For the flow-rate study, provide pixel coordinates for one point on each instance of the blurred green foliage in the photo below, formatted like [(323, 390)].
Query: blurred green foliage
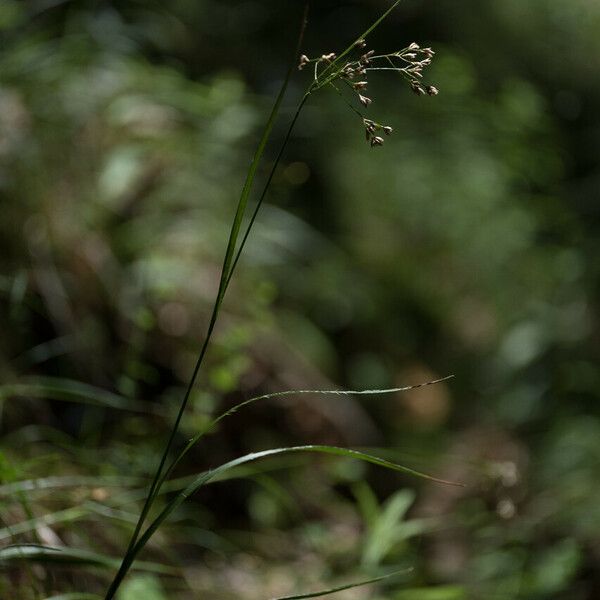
[(467, 245)]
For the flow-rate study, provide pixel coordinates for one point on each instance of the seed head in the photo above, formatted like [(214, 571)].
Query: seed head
[(353, 72), (369, 128), (417, 88), (364, 59), (304, 60)]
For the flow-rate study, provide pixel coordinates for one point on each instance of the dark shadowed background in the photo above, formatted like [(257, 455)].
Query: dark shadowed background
[(467, 245)]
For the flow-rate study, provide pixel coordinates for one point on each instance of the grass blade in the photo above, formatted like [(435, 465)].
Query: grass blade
[(229, 264), (69, 390), (66, 481), (206, 476), (192, 442), (341, 588), (70, 556), (63, 516), (74, 596)]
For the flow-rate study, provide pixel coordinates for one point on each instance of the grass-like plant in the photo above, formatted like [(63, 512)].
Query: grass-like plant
[(347, 75)]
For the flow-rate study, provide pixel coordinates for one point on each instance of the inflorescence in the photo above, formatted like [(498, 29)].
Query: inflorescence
[(330, 70)]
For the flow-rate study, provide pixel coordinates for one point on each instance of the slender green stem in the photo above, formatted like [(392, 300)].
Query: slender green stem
[(174, 463), (231, 259), (268, 184), (335, 64), (352, 108), (227, 270)]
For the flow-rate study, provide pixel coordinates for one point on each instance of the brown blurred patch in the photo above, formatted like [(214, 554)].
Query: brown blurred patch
[(491, 464), (426, 406), (474, 322)]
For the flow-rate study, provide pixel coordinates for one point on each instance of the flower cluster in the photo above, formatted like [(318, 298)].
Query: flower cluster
[(371, 130), (329, 70)]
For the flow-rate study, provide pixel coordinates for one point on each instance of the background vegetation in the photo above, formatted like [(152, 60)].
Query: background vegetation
[(465, 246)]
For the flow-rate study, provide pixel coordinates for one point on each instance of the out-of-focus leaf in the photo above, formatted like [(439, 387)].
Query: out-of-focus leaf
[(74, 596), (70, 556), (444, 592), (142, 586), (389, 528), (340, 588), (69, 390)]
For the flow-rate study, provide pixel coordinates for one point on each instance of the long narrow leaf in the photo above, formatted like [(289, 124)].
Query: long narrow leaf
[(62, 516), (229, 263), (74, 596), (193, 441), (70, 556), (341, 588), (68, 390), (67, 481), (206, 476)]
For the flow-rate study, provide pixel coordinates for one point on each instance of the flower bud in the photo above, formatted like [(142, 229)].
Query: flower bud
[(304, 60)]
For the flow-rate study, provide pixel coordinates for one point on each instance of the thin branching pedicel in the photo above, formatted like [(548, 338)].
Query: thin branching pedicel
[(353, 75)]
